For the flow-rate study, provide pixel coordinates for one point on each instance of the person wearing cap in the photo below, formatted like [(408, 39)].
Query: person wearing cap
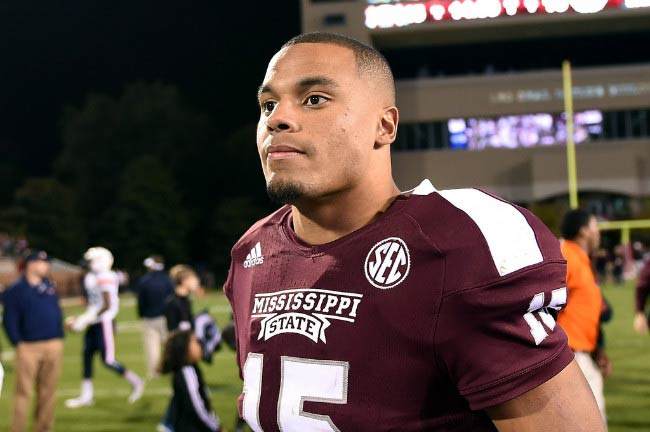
[(153, 289), (34, 324)]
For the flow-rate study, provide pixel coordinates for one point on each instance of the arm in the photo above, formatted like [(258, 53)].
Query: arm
[(563, 403), (11, 318), (171, 316), (191, 397), (83, 320)]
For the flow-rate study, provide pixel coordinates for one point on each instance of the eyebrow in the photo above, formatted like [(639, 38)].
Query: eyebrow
[(303, 84)]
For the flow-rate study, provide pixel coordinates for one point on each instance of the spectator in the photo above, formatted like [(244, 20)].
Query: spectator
[(153, 289), (192, 411), (641, 320), (580, 319), (619, 263), (179, 316), (178, 307), (33, 322)]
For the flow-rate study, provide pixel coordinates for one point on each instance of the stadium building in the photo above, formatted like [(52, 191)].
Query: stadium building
[(480, 91)]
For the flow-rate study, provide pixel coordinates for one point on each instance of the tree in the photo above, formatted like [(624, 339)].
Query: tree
[(45, 212), (103, 136), (232, 217), (147, 216)]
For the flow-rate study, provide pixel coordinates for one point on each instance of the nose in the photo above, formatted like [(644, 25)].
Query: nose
[(282, 119)]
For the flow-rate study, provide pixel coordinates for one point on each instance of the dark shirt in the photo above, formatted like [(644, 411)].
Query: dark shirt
[(178, 310), (192, 411), (643, 287), (32, 313), (153, 289)]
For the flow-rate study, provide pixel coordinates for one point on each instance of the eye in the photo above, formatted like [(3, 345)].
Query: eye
[(314, 100), (268, 106)]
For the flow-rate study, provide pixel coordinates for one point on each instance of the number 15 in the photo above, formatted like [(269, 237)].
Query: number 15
[(301, 380)]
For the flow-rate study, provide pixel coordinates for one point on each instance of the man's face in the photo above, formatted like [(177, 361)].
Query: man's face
[(318, 122), (592, 233), (38, 268)]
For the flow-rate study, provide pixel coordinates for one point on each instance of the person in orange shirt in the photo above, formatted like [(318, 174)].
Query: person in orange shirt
[(580, 318)]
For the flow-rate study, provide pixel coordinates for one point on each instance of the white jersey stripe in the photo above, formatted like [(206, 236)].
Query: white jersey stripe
[(192, 382), (510, 238)]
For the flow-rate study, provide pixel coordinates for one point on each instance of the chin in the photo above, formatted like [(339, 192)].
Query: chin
[(285, 192)]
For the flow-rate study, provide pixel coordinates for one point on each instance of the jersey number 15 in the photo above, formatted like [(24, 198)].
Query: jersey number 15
[(301, 380)]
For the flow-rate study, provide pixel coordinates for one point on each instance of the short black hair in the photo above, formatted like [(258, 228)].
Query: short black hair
[(573, 221), (175, 354), (368, 59)]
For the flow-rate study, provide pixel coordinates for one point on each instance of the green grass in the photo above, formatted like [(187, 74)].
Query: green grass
[(111, 411), (627, 390)]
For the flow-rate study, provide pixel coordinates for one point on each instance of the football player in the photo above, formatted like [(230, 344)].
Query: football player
[(362, 308), (98, 321)]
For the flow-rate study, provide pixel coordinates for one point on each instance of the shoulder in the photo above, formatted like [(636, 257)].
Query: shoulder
[(145, 278), (190, 375), (13, 290), (107, 277), (480, 232), (269, 222)]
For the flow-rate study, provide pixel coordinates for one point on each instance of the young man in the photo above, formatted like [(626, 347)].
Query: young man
[(34, 324), (152, 290), (581, 317), (358, 307), (98, 320)]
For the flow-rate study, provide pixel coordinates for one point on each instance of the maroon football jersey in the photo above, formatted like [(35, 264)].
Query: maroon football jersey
[(443, 306)]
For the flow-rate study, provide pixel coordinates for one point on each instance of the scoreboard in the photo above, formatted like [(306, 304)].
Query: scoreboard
[(387, 14)]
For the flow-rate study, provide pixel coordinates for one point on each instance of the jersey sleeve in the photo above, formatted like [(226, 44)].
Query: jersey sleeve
[(499, 339), (107, 282), (188, 392)]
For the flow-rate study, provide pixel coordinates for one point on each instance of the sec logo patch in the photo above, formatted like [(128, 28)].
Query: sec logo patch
[(388, 263)]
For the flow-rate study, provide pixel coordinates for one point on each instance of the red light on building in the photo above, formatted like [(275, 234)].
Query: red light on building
[(399, 14)]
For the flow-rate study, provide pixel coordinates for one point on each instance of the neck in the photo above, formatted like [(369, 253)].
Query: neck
[(332, 218), (583, 243), (33, 279)]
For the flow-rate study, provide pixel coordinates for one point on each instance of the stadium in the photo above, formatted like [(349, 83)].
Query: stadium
[(143, 163)]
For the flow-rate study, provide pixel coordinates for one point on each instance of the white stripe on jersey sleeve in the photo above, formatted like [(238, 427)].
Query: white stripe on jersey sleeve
[(192, 382), (510, 238)]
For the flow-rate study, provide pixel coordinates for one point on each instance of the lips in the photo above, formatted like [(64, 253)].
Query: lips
[(275, 152)]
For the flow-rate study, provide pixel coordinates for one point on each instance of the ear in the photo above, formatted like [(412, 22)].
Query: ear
[(387, 127)]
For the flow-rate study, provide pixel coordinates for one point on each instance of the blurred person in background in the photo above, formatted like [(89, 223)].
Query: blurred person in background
[(178, 306), (152, 290), (641, 316), (98, 321), (618, 264), (33, 322), (581, 316), (192, 410), (179, 317)]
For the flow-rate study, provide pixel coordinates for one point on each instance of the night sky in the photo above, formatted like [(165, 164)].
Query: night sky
[(55, 53)]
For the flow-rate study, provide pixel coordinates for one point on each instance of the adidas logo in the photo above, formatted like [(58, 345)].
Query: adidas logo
[(255, 257)]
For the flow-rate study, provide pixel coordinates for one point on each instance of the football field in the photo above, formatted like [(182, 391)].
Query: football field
[(627, 390)]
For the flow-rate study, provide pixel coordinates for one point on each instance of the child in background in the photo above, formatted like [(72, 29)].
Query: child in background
[(191, 411), (179, 316), (178, 306)]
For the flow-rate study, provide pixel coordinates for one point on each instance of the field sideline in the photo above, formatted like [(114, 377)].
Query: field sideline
[(627, 391)]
